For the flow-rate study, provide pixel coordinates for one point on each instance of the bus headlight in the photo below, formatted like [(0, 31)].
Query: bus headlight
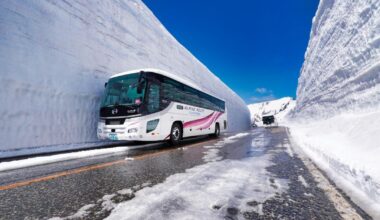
[(151, 125), (132, 130)]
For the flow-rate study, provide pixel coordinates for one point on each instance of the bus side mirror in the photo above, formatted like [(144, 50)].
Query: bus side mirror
[(105, 85), (140, 85), (140, 88)]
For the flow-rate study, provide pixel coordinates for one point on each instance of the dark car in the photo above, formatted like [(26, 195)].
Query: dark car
[(267, 120)]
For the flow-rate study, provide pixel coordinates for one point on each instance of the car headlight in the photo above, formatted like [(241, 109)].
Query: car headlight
[(151, 125), (132, 130)]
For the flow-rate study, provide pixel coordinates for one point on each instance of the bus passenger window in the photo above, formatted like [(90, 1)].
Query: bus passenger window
[(153, 98)]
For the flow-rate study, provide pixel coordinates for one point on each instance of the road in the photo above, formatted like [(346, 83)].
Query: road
[(91, 188)]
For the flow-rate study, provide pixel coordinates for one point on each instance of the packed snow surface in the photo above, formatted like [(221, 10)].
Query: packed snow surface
[(337, 116), (279, 108), (206, 191), (55, 57)]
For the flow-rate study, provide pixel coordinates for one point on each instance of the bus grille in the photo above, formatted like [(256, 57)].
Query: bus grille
[(119, 121)]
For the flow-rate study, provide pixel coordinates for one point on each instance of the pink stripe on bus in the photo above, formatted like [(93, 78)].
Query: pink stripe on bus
[(197, 121), (216, 116)]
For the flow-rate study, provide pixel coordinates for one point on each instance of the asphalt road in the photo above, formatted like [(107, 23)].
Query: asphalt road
[(63, 189)]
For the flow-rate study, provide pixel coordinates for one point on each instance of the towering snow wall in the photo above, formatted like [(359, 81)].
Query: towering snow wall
[(55, 57), (341, 72), (337, 116)]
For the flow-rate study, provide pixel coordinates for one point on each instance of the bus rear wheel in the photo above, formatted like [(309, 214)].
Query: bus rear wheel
[(175, 134), (217, 131)]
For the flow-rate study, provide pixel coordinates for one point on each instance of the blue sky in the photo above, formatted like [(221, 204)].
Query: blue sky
[(256, 47)]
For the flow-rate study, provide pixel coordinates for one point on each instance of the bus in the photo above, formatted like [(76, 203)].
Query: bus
[(154, 105)]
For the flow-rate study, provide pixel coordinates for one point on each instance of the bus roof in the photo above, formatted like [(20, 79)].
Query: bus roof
[(164, 73)]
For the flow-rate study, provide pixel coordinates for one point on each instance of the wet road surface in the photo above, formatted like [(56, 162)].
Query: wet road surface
[(96, 185)]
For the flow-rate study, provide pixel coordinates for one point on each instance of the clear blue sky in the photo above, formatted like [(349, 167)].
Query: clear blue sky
[(256, 47)]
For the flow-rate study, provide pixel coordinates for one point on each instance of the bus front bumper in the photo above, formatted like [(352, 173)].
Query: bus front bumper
[(133, 132), (115, 134)]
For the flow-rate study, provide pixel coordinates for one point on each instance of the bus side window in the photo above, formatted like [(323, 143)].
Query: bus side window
[(153, 98), (172, 90)]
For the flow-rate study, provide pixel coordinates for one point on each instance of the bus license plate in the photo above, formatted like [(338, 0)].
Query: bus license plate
[(113, 137)]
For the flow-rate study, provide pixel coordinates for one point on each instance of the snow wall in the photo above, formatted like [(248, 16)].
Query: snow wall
[(55, 57), (337, 116)]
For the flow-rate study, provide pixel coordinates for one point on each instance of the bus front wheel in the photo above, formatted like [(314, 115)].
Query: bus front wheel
[(175, 134)]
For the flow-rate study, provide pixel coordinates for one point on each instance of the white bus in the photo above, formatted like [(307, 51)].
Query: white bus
[(154, 105)]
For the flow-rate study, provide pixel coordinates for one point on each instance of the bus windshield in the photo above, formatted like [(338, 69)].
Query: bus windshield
[(125, 90)]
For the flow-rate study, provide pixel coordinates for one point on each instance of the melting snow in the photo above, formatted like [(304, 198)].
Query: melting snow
[(212, 154), (195, 193), (106, 203), (303, 181)]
